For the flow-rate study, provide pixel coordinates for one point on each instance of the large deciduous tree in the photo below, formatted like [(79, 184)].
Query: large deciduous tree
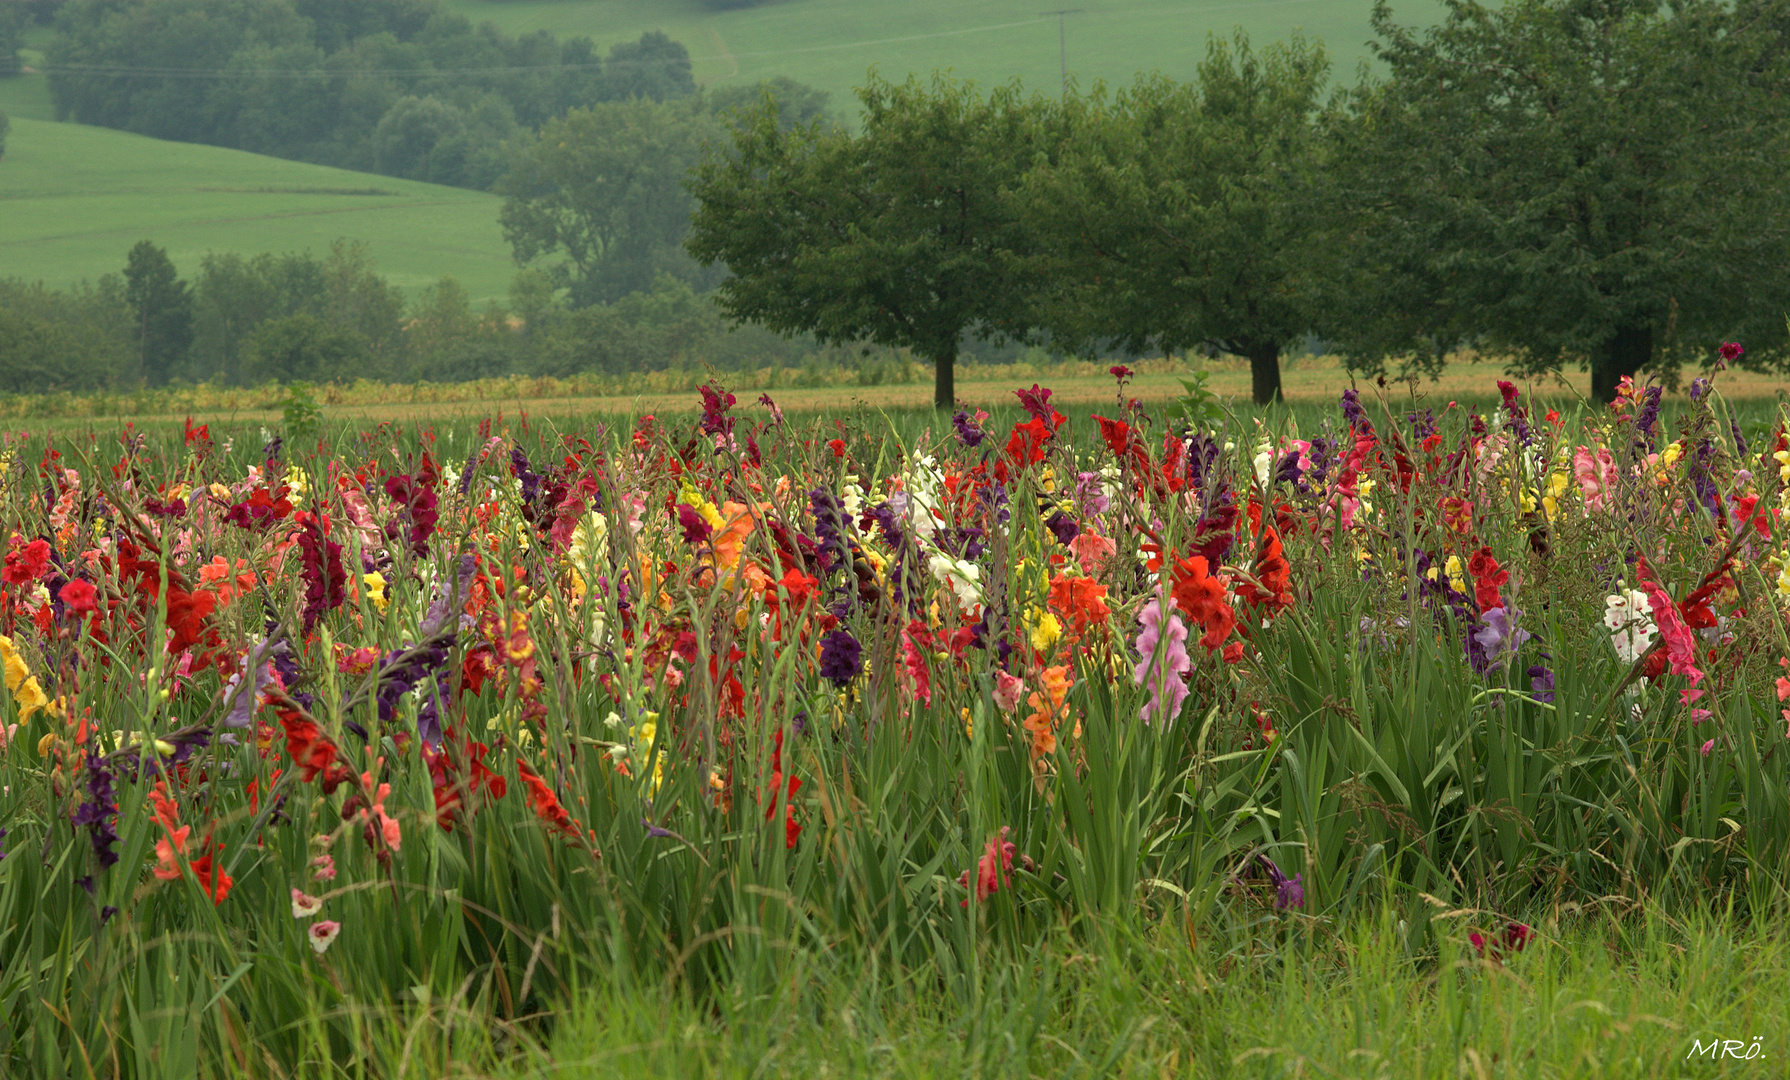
[(1183, 214), (604, 188), (899, 234), (1594, 181)]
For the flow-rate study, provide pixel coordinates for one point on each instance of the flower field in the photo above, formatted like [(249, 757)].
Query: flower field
[(382, 753)]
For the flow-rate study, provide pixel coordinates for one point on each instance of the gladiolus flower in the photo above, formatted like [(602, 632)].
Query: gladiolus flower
[(304, 905), (1007, 689), (1514, 937), (840, 657), (1162, 663), (78, 596), (324, 868), (322, 933), (1201, 598), (1046, 715), (994, 869)]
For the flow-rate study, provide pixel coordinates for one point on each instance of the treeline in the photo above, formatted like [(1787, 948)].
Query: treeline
[(280, 318), (1561, 182), (398, 87)]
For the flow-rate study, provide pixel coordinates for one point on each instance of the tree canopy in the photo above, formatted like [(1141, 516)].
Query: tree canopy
[(604, 188), (162, 307), (1182, 214), (898, 234), (1563, 180)]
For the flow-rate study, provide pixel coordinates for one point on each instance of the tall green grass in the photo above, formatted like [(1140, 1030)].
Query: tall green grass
[(1418, 801)]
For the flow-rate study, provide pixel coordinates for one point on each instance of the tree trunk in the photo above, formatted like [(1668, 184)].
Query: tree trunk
[(1264, 370), (944, 385), (1623, 353)]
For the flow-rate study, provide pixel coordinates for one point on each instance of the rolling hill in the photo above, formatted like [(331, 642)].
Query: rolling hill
[(832, 43), (73, 199)]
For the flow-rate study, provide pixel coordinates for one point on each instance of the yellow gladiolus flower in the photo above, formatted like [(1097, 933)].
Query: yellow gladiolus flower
[(375, 583)]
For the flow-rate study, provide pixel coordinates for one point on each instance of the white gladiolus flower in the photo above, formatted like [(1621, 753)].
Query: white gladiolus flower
[(1630, 622)]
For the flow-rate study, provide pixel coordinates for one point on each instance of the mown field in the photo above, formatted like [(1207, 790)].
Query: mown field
[(832, 43), (75, 198)]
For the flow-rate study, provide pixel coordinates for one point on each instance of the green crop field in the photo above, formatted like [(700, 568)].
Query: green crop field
[(833, 43), (73, 199)]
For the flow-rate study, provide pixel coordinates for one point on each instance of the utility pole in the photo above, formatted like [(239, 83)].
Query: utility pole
[(1062, 15)]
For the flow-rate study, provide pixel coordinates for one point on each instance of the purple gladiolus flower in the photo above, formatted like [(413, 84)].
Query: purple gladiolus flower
[(1541, 683), (1352, 410), (1036, 402), (96, 812), (841, 657), (248, 683), (1288, 892), (967, 431), (1499, 637), (696, 528), (1062, 526), (1649, 412)]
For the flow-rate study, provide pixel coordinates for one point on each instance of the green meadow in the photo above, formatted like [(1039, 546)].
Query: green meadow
[(73, 199), (833, 43)]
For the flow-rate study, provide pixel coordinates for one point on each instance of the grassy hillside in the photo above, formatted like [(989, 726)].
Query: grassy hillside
[(831, 43), (74, 199)]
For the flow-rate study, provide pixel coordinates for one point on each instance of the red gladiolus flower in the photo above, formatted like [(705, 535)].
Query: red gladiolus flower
[(1488, 578), (792, 829), (544, 802), (212, 878), (994, 869), (27, 563), (837, 446), (1512, 939), (78, 597), (313, 752), (1273, 572)]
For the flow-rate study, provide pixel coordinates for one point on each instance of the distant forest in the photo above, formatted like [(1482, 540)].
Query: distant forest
[(398, 87)]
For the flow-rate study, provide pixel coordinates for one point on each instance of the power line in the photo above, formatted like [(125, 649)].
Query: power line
[(1062, 15), (423, 73)]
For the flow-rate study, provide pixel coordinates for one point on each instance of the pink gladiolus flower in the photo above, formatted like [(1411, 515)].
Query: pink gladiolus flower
[(1007, 690), (1708, 746), (1091, 551), (322, 933), (325, 868), (1596, 477), (304, 905), (1681, 647), (1162, 663)]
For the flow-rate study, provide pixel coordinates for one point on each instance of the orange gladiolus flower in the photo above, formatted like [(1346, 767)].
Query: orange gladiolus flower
[(1045, 718), (1200, 596), (1081, 602)]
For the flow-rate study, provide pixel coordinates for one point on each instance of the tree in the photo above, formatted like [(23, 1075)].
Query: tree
[(654, 67), (13, 20), (301, 348), (162, 310), (898, 234), (604, 187), (1183, 214), (798, 104), (1594, 181)]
